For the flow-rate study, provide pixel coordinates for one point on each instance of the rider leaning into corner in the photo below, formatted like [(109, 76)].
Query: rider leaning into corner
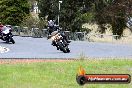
[(5, 30), (51, 25), (52, 28)]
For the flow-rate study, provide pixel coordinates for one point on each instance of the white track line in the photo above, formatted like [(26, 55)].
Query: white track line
[(4, 49)]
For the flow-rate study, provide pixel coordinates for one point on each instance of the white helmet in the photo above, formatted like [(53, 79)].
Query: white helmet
[(50, 21)]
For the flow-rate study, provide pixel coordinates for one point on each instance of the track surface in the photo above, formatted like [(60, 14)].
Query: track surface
[(27, 47)]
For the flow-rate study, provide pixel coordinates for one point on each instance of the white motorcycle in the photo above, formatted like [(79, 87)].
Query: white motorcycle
[(6, 35)]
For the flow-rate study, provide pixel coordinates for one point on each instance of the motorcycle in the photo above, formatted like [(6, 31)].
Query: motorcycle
[(52, 29), (60, 43), (7, 36)]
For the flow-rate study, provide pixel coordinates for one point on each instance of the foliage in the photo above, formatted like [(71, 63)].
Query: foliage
[(31, 21), (60, 74), (74, 13), (70, 13), (13, 11), (114, 12)]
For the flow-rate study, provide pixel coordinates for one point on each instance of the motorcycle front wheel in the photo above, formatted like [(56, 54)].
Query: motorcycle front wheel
[(12, 40), (65, 49)]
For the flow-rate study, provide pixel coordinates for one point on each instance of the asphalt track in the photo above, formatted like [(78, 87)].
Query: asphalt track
[(28, 47)]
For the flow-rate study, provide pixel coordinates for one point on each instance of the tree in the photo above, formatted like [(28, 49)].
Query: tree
[(76, 12), (114, 12), (13, 11), (46, 9), (71, 13)]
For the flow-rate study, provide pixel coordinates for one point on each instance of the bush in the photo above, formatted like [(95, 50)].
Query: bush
[(30, 22)]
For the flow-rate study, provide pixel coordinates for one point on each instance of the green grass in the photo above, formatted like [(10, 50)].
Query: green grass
[(61, 74)]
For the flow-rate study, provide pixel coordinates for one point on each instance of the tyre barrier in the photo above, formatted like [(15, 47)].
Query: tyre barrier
[(39, 33), (25, 32), (36, 33), (16, 30), (44, 32)]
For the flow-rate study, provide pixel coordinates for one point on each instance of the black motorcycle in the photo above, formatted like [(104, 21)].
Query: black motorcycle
[(59, 42), (7, 37)]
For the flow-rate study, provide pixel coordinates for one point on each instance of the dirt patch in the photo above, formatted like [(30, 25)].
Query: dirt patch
[(17, 61)]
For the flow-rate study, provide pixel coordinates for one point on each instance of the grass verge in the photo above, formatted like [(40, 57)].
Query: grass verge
[(61, 74)]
